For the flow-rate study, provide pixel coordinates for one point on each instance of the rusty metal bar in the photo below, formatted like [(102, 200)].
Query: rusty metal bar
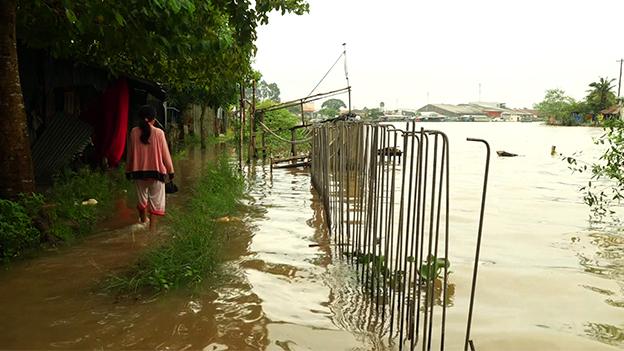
[(394, 231), (478, 248)]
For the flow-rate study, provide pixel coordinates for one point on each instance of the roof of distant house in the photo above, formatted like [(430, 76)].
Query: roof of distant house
[(456, 109), (613, 110)]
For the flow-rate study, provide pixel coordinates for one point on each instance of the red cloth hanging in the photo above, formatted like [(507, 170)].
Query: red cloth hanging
[(109, 117)]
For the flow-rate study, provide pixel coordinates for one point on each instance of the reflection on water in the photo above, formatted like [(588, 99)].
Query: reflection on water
[(304, 292), (605, 256), (606, 333)]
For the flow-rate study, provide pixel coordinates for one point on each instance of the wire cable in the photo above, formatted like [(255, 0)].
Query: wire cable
[(284, 139), (325, 76)]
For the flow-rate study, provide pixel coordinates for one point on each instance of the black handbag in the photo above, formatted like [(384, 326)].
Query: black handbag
[(170, 187)]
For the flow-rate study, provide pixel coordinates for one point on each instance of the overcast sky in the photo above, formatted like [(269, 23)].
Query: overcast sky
[(408, 53)]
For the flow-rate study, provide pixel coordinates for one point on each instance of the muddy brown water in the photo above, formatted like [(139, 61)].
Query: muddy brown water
[(549, 279)]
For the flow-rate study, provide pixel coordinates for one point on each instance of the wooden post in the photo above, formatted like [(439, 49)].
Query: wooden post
[(302, 115), (264, 153), (253, 121), (242, 125), (250, 141), (293, 135)]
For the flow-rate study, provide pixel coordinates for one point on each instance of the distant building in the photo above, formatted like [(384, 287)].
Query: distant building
[(519, 115), (480, 112), (490, 109), (450, 110), (613, 112), (308, 107)]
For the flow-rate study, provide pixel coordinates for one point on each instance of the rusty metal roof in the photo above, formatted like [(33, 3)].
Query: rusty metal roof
[(63, 138), (613, 110)]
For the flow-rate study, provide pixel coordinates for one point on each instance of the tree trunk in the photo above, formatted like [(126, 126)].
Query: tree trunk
[(16, 169), (202, 128), (215, 121)]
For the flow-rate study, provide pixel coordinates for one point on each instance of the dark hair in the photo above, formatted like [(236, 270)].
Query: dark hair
[(146, 113)]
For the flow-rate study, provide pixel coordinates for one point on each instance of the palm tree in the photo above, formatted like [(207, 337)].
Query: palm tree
[(600, 95), (15, 160)]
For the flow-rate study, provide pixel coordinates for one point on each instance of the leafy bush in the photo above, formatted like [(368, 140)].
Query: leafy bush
[(69, 216), (279, 121), (22, 221), (17, 233)]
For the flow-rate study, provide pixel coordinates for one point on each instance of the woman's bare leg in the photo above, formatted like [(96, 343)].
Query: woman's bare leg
[(153, 220), (142, 215)]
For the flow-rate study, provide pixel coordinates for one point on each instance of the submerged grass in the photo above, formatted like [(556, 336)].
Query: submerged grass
[(192, 253)]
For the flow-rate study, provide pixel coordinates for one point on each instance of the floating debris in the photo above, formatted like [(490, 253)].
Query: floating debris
[(90, 202)]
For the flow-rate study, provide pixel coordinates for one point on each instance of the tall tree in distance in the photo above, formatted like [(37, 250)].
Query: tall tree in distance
[(557, 105), (331, 107), (335, 104), (16, 173), (601, 96), (267, 91)]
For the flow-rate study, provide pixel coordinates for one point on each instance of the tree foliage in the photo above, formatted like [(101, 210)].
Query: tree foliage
[(185, 44), (279, 122), (568, 111), (555, 103), (335, 104), (267, 91), (562, 108), (600, 95), (606, 185), (329, 112), (374, 113), (201, 49)]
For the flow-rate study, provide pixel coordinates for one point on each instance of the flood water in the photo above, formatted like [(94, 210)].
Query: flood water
[(548, 280)]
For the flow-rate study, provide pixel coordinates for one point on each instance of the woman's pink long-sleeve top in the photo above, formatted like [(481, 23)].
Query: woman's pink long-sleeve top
[(148, 161)]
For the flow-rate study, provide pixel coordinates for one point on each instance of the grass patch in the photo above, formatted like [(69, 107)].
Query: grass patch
[(18, 233), (69, 217), (192, 253), (57, 216)]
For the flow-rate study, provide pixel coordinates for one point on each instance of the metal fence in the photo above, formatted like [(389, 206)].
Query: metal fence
[(386, 198)]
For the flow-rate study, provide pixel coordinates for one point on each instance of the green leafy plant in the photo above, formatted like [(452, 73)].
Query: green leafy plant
[(432, 268), (605, 188), (17, 233)]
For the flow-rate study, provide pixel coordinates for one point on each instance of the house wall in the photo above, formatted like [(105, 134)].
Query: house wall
[(492, 114), (191, 118)]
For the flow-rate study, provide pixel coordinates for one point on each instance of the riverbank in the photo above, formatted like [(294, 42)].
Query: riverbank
[(71, 207)]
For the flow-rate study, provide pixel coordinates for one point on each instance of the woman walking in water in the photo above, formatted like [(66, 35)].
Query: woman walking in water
[(148, 164)]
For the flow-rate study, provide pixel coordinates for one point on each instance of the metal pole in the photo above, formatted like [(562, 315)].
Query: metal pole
[(349, 99), (620, 80), (476, 263)]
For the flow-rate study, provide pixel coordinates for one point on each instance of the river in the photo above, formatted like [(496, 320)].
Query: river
[(549, 279)]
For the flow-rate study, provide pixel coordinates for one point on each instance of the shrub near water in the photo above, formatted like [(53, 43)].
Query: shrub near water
[(192, 253), (25, 224), (17, 232), (69, 216)]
